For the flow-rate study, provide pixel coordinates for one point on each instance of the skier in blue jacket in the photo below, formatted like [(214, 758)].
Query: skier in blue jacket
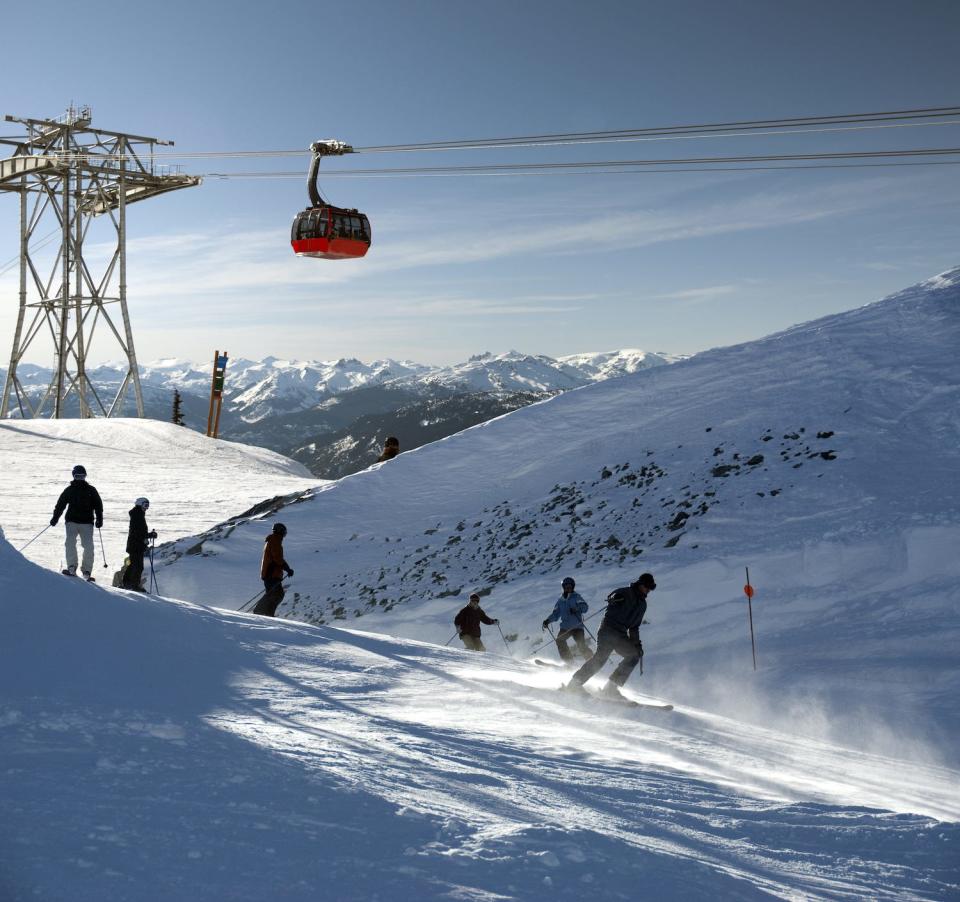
[(569, 610)]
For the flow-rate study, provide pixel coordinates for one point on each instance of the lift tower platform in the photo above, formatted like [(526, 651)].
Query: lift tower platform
[(68, 174)]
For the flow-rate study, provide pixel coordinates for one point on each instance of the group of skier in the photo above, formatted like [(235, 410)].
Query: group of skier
[(82, 510), (619, 630)]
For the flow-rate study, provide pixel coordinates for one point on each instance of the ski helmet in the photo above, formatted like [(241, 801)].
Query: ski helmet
[(647, 581), (568, 581), (279, 529), (142, 502), (79, 472)]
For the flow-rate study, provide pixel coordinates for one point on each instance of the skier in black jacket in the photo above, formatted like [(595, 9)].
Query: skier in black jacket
[(619, 632), (84, 511), (137, 544)]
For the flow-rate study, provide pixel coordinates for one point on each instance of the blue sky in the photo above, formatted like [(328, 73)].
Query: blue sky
[(550, 264)]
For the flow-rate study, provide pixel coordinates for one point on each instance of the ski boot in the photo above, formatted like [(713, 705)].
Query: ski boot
[(612, 691)]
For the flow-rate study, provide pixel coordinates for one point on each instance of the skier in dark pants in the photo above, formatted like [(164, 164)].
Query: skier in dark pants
[(84, 511), (569, 610), (619, 632), (272, 569), (468, 623), (137, 544)]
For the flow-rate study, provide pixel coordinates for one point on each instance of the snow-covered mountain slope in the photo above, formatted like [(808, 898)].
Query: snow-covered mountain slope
[(155, 749), (825, 458), (193, 482)]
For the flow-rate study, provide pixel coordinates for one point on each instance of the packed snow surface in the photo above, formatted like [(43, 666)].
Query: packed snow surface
[(152, 748), (155, 749)]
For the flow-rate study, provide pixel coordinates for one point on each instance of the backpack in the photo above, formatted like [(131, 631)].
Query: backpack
[(120, 576)]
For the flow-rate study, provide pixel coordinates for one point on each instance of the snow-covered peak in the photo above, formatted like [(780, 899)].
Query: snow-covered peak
[(610, 364), (511, 371)]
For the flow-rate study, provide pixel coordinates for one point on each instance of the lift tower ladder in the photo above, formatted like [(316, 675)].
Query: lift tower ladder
[(68, 174)]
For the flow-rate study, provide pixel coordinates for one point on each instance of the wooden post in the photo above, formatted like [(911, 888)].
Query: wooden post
[(213, 382), (216, 393)]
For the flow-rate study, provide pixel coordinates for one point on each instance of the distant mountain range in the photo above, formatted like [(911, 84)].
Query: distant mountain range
[(334, 415)]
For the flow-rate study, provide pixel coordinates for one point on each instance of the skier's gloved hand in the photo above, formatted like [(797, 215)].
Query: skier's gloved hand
[(496, 621), (639, 647), (152, 534), (546, 623), (99, 522), (53, 521), (289, 571)]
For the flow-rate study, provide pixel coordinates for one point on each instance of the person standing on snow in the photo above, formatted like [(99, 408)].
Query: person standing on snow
[(569, 610), (137, 544), (468, 623), (84, 511), (272, 568), (619, 632)]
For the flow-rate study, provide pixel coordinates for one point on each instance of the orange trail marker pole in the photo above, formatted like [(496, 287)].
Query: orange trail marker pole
[(748, 591)]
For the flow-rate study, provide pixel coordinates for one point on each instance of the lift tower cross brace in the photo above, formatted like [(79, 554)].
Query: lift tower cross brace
[(66, 174)]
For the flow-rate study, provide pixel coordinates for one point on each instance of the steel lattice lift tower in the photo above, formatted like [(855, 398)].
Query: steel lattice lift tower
[(67, 174)]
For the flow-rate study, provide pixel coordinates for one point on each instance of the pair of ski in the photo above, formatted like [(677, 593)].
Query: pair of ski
[(599, 696)]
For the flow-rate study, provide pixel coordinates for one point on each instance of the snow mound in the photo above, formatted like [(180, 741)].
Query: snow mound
[(193, 482)]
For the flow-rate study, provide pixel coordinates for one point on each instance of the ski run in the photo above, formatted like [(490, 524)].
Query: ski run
[(169, 746)]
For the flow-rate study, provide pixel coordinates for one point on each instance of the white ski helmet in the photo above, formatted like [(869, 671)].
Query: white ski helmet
[(142, 502)]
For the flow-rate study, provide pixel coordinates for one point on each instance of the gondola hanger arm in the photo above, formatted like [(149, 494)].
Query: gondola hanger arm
[(330, 147)]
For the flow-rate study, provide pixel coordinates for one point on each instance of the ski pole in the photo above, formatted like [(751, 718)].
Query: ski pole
[(34, 539), (153, 576), (252, 602), (555, 638), (583, 623), (454, 636), (537, 648), (249, 602), (505, 645), (102, 550)]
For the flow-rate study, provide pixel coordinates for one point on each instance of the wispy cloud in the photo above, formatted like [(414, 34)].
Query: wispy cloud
[(698, 294), (469, 306)]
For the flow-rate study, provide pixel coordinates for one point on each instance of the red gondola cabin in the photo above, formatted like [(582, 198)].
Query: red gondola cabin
[(330, 233)]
